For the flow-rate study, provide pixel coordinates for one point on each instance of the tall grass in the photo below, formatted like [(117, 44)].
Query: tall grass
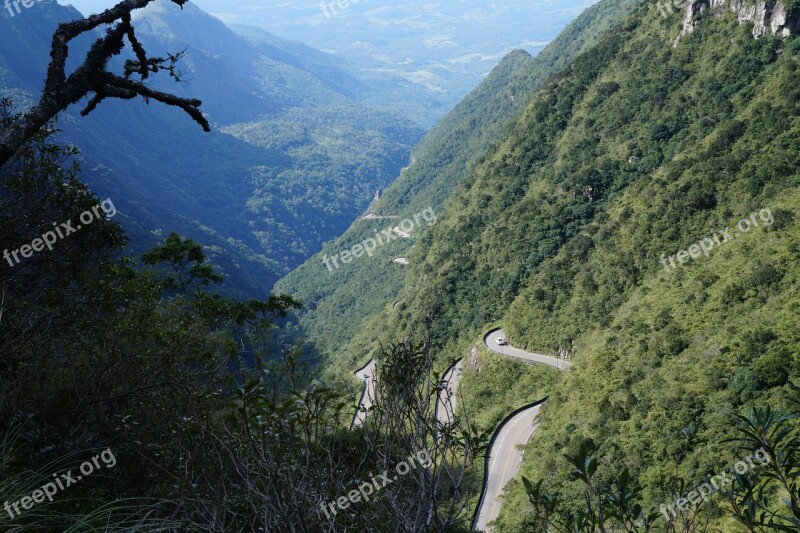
[(100, 511)]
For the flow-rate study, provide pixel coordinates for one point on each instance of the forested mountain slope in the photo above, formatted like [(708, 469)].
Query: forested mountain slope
[(637, 212), (291, 162), (339, 305), (584, 231)]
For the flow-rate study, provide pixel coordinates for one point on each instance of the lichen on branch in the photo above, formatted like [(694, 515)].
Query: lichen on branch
[(93, 78)]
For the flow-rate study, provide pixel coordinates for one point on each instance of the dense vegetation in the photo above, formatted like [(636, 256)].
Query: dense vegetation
[(742, 496), (345, 311), (558, 219), (209, 429), (290, 163), (635, 150)]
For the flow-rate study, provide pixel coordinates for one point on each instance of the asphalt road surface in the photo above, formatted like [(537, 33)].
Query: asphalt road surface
[(505, 458), (490, 340), (402, 234), (445, 404), (372, 216), (505, 455), (446, 401), (367, 375)]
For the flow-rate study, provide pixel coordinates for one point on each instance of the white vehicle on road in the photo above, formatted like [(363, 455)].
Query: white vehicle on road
[(501, 341)]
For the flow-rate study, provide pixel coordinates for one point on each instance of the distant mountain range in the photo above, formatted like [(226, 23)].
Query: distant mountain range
[(293, 158), (418, 59)]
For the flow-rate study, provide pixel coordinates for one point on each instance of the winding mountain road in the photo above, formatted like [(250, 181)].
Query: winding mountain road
[(445, 404), (504, 455), (402, 234), (446, 400), (367, 375), (490, 340), (504, 458), (373, 216)]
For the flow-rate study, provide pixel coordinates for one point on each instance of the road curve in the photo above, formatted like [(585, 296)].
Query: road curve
[(445, 403), (503, 459), (367, 375), (504, 455), (490, 340), (402, 234), (446, 400)]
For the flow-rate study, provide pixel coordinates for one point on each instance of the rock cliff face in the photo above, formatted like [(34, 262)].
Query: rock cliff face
[(771, 16)]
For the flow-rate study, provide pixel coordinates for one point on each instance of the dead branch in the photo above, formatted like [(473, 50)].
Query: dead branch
[(92, 77)]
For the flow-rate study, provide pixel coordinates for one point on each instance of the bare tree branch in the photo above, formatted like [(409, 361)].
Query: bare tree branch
[(92, 77)]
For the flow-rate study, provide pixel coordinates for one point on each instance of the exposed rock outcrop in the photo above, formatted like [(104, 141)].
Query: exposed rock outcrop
[(767, 17)]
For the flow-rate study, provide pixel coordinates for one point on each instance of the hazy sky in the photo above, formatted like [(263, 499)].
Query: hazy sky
[(90, 6), (226, 6), (243, 11)]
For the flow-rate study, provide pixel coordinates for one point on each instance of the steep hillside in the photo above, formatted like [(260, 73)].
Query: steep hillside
[(291, 162), (635, 211), (450, 151), (585, 232), (336, 302), (352, 301)]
